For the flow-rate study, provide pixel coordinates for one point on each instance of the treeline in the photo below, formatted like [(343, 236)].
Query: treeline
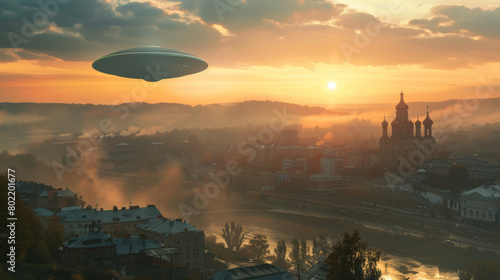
[(348, 258)]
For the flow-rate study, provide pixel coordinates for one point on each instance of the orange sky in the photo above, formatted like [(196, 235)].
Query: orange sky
[(255, 52)]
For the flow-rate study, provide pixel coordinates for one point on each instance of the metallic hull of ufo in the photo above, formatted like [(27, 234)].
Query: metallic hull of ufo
[(150, 63)]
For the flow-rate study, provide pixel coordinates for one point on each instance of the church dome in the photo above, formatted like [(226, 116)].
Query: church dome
[(410, 122), (385, 123), (418, 122), (427, 120), (402, 105), (394, 122)]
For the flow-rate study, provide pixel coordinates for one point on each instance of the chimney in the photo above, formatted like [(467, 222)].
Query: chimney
[(115, 208)]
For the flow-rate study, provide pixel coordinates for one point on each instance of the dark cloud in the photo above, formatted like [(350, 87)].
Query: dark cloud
[(238, 15), (455, 19), (263, 32)]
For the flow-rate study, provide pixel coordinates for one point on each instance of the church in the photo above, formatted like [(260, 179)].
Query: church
[(404, 145)]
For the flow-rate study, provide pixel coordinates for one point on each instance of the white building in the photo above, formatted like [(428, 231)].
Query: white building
[(331, 165), (481, 205)]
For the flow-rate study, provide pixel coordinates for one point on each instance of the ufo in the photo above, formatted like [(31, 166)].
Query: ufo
[(151, 64)]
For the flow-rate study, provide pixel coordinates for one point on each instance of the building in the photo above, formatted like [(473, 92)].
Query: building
[(481, 205), (291, 178), (256, 272), (257, 180), (363, 159), (116, 222), (476, 169), (325, 184), (406, 147), (291, 162), (56, 199), (94, 249), (130, 250), (331, 165), (189, 241), (98, 249), (30, 191)]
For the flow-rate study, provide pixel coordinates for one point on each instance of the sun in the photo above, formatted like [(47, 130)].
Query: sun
[(332, 85)]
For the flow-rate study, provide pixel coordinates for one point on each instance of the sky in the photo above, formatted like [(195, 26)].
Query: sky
[(283, 50)]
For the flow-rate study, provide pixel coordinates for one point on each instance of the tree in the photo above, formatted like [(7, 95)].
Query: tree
[(259, 246), (351, 259), (320, 247), (300, 250), (304, 250), (53, 234), (280, 252), (233, 236), (210, 241), (458, 177), (480, 271)]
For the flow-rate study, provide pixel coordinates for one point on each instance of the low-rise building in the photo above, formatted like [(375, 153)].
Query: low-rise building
[(189, 241), (481, 205), (363, 159), (292, 162), (331, 165), (56, 199), (98, 249), (94, 249), (30, 191), (262, 271), (292, 178), (325, 184), (117, 222), (253, 181)]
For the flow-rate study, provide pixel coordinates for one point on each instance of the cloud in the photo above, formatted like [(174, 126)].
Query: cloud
[(275, 33), (457, 19)]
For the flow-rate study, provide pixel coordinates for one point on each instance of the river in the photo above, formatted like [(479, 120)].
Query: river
[(278, 225)]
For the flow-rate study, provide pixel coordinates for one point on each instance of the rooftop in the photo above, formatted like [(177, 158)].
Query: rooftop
[(166, 226), (59, 192), (261, 272), (490, 191), (90, 240), (31, 188), (131, 214), (134, 245)]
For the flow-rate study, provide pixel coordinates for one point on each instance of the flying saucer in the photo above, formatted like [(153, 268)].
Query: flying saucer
[(150, 63)]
